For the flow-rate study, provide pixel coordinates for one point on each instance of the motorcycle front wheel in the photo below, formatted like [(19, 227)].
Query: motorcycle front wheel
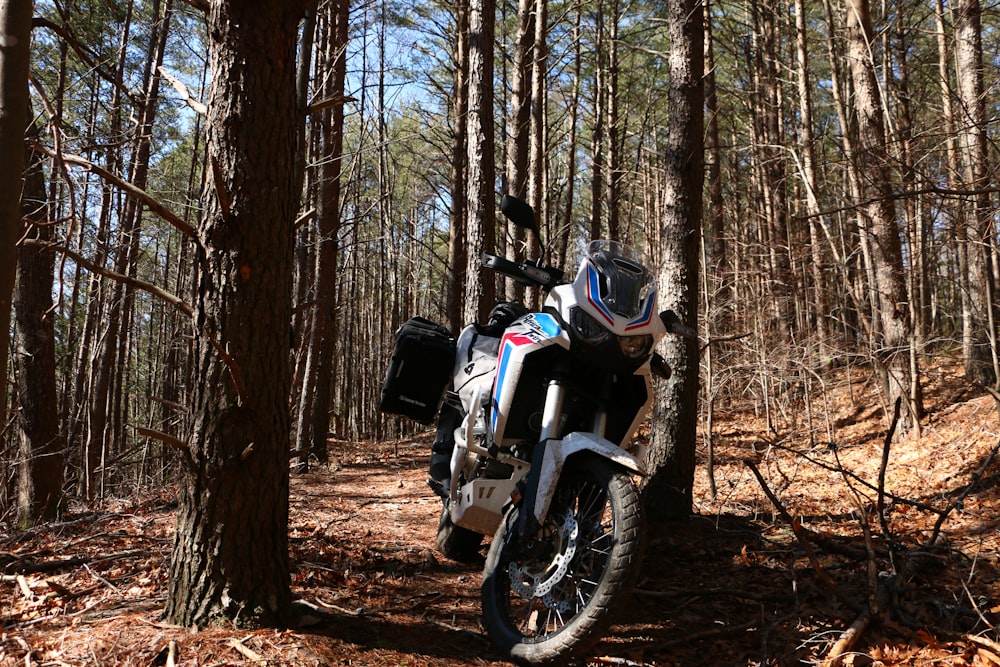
[(551, 604)]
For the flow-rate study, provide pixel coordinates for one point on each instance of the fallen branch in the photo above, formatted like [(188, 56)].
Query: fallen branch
[(720, 592), (848, 639), (802, 538), (690, 637), (247, 653), (22, 583), (28, 567)]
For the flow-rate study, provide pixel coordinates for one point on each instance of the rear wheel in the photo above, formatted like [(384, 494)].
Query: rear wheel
[(556, 603)]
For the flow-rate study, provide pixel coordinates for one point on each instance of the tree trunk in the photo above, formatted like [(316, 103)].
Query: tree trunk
[(15, 25), (811, 184), (979, 316), (774, 188), (519, 129), (457, 256), (667, 493), (230, 555), (42, 447), (480, 291), (597, 128), (537, 185), (615, 129), (574, 116), (314, 421), (893, 349)]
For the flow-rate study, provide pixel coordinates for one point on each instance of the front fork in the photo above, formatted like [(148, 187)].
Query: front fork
[(552, 415)]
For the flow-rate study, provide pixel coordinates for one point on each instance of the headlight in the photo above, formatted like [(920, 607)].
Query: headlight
[(587, 328), (635, 347)]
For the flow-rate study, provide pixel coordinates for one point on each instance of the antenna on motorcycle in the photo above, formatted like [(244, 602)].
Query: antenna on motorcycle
[(521, 214)]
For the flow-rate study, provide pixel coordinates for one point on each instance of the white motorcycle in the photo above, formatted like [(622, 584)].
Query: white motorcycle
[(533, 442)]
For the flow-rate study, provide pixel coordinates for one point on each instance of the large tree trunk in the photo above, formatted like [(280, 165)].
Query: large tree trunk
[(538, 155), (811, 184), (667, 493), (15, 25), (893, 353), (457, 256), (978, 321), (480, 290), (314, 413), (230, 555), (42, 447), (519, 129), (597, 127)]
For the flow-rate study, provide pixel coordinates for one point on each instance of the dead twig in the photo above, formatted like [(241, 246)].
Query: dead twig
[(886, 444), (182, 90), (165, 438), (136, 283)]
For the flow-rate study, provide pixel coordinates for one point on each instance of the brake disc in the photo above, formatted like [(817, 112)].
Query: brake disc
[(541, 582)]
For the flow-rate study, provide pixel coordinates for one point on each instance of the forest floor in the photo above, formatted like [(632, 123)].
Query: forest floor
[(733, 585)]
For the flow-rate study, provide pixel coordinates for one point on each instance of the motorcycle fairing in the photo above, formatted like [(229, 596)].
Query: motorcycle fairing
[(584, 292), (531, 333)]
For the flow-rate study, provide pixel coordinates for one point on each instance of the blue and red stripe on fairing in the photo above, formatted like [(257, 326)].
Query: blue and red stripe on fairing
[(548, 325)]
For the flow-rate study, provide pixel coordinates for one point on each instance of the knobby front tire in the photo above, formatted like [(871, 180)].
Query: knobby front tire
[(552, 607)]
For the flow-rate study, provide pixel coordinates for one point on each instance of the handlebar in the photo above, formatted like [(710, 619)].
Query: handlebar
[(525, 273)]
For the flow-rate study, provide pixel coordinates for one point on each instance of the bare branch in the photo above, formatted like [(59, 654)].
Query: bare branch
[(108, 273), (155, 206), (164, 438)]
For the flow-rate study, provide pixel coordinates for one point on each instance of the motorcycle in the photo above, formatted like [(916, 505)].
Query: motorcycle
[(533, 442)]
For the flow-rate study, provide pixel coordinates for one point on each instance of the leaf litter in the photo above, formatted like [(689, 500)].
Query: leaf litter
[(855, 577)]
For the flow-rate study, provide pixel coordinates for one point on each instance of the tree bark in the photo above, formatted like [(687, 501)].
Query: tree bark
[(893, 349), (15, 25), (42, 447), (667, 493), (457, 255), (979, 316), (230, 555), (480, 291)]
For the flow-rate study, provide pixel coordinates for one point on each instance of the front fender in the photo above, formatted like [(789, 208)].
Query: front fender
[(557, 452)]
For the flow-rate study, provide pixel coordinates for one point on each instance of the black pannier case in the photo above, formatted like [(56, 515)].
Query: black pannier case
[(423, 358)]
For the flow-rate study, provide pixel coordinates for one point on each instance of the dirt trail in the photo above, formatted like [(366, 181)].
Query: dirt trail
[(731, 586)]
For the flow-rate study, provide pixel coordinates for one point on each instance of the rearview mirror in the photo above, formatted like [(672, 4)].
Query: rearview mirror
[(519, 212)]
